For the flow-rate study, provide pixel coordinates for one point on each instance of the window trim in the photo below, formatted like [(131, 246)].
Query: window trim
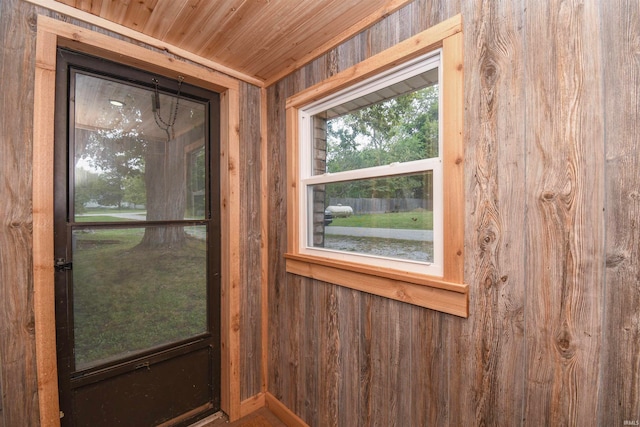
[(402, 72), (447, 293)]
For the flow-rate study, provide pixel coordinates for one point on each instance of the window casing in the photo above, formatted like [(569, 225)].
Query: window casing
[(436, 282)]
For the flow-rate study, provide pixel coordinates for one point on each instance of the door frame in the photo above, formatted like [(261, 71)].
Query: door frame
[(52, 34)]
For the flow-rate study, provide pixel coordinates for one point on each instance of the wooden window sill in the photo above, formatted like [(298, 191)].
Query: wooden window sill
[(424, 291)]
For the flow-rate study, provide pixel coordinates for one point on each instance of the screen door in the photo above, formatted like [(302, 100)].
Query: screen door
[(137, 240)]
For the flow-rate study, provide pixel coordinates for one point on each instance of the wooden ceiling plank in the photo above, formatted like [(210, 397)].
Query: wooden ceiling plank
[(266, 21), (269, 28), (286, 47), (390, 7), (268, 38), (193, 25), (244, 16), (114, 10), (90, 6), (163, 17), (138, 13), (143, 38)]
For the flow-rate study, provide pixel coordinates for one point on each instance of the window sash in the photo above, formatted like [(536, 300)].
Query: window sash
[(422, 64), (434, 268)]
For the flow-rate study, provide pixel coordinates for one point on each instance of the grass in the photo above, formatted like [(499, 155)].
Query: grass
[(414, 220), (111, 210), (127, 299)]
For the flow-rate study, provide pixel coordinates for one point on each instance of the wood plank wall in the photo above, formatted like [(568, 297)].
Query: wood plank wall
[(552, 235), (552, 97), (18, 384)]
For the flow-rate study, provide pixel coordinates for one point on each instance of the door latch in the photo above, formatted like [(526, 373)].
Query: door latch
[(62, 265)]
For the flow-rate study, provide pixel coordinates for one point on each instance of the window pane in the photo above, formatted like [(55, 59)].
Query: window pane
[(398, 123), (136, 153), (387, 217), (131, 292)]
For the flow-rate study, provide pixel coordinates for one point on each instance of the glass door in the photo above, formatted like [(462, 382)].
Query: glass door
[(137, 246)]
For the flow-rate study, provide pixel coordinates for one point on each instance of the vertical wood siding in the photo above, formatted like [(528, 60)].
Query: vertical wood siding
[(552, 152), (18, 382), (552, 156), (621, 330), (564, 200), (250, 214)]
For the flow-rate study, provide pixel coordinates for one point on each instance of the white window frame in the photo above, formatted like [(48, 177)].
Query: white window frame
[(397, 74), (443, 290)]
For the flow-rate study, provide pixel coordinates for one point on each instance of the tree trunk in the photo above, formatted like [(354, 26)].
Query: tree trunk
[(166, 185)]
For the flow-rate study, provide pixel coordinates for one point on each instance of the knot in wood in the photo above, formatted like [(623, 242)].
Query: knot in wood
[(548, 195), (564, 345), (613, 260)]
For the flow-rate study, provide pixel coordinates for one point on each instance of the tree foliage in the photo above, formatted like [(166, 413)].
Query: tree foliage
[(400, 129)]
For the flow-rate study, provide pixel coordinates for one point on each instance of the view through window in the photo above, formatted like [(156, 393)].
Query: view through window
[(374, 158)]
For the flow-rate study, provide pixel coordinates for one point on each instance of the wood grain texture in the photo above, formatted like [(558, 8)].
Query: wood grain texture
[(551, 119), (277, 244), (495, 217), (564, 204), (533, 351), (43, 226), (49, 30), (621, 335), (264, 39), (18, 379), (250, 242)]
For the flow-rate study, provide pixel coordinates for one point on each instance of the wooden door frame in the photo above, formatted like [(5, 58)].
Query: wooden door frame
[(52, 34)]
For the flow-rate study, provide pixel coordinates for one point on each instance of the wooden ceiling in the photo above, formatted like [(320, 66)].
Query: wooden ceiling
[(263, 39)]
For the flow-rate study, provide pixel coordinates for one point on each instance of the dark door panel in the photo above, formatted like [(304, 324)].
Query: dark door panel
[(142, 397)]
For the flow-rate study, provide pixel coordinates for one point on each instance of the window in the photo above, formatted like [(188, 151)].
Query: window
[(369, 157), (376, 174)]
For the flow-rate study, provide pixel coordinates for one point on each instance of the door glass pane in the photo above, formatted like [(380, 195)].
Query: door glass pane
[(388, 217), (136, 288), (137, 155)]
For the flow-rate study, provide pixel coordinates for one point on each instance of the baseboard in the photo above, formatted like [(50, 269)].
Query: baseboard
[(252, 404), (282, 412)]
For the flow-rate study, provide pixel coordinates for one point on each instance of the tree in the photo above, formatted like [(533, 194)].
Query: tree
[(400, 129), (134, 190), (124, 153)]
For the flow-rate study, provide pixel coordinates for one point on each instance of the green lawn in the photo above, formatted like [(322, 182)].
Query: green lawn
[(414, 220), (127, 299), (111, 210)]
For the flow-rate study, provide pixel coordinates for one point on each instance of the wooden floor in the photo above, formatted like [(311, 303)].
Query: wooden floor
[(260, 418)]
